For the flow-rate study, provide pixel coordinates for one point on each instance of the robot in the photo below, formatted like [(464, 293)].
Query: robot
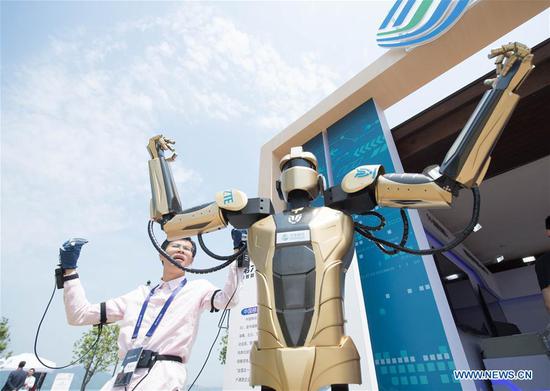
[(301, 254)]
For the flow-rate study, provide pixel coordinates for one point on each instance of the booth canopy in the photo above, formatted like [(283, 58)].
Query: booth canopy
[(12, 362)]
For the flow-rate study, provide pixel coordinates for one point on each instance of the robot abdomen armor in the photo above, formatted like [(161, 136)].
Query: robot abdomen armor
[(294, 291), (300, 307)]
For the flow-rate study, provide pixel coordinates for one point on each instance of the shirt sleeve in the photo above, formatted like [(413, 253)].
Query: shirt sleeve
[(19, 379), (229, 295), (80, 311), (9, 382)]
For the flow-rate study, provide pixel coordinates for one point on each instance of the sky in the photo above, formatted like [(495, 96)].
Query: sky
[(86, 84)]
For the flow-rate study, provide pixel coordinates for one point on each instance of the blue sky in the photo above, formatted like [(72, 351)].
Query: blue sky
[(84, 86)]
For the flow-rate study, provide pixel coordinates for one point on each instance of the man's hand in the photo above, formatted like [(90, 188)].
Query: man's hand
[(70, 251), (239, 238)]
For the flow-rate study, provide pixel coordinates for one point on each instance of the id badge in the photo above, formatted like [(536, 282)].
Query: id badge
[(129, 365)]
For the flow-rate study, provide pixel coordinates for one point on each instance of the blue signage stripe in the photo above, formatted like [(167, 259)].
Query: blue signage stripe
[(390, 15), (436, 16), (404, 13), (453, 17)]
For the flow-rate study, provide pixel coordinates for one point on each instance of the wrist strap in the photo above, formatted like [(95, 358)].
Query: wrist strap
[(102, 313), (70, 277), (212, 308)]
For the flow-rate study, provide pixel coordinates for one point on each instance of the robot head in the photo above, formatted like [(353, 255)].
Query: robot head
[(299, 172)]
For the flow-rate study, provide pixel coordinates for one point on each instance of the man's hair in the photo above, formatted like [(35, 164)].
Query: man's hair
[(32, 369), (165, 244), (547, 222), (22, 364)]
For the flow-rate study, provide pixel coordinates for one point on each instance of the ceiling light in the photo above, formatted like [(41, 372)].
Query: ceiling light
[(500, 258), (451, 277), (528, 259), (477, 227)]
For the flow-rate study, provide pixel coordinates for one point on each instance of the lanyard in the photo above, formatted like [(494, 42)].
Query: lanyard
[(159, 317)]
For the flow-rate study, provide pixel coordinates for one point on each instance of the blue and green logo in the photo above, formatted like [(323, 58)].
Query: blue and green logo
[(363, 172), (413, 23), (227, 197)]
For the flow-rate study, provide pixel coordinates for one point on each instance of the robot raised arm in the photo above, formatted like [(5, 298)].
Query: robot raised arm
[(467, 161), (230, 206)]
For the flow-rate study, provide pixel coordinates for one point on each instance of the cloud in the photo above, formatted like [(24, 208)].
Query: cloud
[(75, 118)]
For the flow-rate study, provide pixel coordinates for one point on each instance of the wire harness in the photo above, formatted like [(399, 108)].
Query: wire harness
[(365, 231)]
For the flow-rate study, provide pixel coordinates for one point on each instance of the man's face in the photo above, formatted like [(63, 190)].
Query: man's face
[(31, 372), (181, 251)]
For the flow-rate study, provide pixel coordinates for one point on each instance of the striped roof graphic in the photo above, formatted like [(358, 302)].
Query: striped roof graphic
[(415, 22)]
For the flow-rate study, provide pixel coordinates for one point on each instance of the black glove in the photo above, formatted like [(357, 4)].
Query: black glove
[(70, 251), (239, 238)]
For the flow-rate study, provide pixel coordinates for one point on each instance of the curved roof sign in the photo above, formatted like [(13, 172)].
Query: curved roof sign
[(412, 23)]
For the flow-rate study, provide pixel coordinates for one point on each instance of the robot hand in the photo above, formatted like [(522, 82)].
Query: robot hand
[(507, 55), (158, 144), (70, 251)]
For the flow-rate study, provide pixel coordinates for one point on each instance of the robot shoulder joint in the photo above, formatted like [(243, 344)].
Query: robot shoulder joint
[(232, 200), (361, 177)]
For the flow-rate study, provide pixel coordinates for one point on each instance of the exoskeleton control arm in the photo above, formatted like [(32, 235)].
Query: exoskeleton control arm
[(230, 206), (467, 161)]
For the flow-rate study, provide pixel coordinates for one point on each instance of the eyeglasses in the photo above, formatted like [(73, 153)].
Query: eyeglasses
[(181, 246)]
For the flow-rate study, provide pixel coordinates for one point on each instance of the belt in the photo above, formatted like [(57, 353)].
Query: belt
[(148, 358)]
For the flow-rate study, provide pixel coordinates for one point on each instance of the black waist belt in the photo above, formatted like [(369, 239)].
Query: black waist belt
[(148, 358)]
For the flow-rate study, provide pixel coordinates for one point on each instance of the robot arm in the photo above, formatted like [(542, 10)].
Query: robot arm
[(465, 164), (206, 217), (230, 206), (165, 201)]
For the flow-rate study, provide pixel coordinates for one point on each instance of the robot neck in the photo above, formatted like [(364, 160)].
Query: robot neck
[(298, 199)]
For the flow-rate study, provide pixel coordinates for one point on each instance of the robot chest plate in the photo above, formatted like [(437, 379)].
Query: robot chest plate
[(297, 233), (291, 251)]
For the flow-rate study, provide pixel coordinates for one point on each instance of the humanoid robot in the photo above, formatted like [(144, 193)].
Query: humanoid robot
[(301, 254)]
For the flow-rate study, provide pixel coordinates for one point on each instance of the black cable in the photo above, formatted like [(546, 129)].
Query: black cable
[(222, 317), (100, 329), (378, 227), (140, 380), (404, 237), (175, 263), (220, 257), (458, 239)]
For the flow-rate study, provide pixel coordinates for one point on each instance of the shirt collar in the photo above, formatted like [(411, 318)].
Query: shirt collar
[(172, 284)]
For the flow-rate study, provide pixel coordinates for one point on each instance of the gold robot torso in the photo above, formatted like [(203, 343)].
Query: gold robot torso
[(301, 257)]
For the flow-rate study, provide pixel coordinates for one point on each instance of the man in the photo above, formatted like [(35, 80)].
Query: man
[(16, 378), (542, 268), (30, 380), (163, 320)]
